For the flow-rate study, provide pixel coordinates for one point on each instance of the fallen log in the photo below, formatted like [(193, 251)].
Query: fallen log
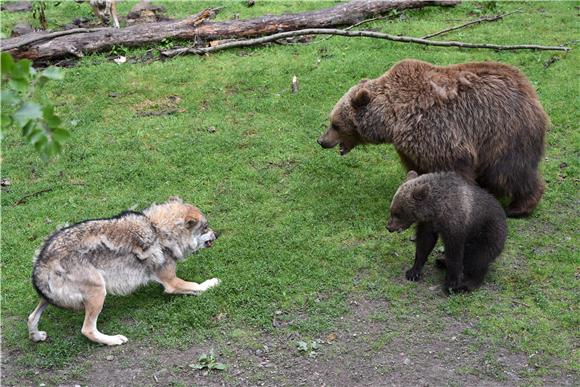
[(39, 46)]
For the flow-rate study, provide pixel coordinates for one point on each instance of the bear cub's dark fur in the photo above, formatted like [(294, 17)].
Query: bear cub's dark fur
[(470, 221)]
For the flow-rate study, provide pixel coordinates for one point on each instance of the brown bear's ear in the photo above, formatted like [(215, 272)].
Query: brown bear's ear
[(361, 98), (466, 78), (420, 192), (411, 175), (442, 86)]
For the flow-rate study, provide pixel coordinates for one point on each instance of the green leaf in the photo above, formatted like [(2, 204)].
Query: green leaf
[(20, 85), (28, 111), (52, 72), (6, 120), (219, 366), (53, 148), (51, 119), (203, 358), (302, 345), (40, 145), (36, 135), (28, 128), (197, 366), (6, 63), (60, 134), (8, 97), (22, 69)]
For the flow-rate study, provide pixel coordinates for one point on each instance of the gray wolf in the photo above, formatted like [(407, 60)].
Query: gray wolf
[(104, 9), (79, 265)]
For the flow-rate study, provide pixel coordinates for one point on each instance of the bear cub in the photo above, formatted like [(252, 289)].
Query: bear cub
[(470, 221)]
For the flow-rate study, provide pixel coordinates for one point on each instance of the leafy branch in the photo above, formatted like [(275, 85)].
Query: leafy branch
[(40, 126)]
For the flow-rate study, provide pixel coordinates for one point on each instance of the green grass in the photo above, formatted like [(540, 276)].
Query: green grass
[(299, 223)]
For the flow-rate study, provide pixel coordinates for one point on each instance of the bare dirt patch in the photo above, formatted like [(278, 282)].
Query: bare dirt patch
[(370, 346)]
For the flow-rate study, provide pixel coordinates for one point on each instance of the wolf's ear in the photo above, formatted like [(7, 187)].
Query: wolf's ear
[(420, 192), (191, 220), (175, 199), (411, 175), (191, 223), (361, 98)]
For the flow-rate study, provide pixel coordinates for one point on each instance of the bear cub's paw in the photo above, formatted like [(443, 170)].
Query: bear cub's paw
[(413, 275)]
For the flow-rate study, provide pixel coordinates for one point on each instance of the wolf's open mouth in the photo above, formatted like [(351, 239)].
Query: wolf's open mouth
[(343, 149), (208, 243)]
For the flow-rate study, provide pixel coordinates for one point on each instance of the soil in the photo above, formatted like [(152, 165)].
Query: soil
[(369, 347)]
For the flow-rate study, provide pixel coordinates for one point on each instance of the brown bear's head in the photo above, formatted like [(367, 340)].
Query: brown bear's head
[(345, 120), (408, 203)]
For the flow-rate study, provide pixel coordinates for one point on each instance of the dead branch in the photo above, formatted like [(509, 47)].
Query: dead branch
[(477, 21), (25, 198), (359, 24), (78, 43), (368, 34)]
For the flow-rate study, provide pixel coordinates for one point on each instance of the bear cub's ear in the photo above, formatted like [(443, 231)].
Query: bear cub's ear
[(420, 192), (361, 98), (411, 175)]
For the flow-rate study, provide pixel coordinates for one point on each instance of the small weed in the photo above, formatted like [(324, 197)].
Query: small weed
[(118, 51), (166, 44), (209, 362), (308, 347)]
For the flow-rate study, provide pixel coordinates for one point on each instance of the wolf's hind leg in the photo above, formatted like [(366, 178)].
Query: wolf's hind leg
[(94, 300), (33, 319)]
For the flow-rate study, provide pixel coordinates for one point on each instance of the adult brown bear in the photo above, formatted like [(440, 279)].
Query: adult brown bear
[(482, 120)]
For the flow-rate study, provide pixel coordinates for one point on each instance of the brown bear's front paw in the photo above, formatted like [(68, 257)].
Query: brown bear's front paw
[(413, 275)]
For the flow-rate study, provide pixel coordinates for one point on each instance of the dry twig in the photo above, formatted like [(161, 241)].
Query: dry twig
[(477, 21), (368, 34), (24, 199)]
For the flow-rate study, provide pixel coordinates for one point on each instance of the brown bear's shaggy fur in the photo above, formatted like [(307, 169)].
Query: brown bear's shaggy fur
[(482, 120), (470, 221)]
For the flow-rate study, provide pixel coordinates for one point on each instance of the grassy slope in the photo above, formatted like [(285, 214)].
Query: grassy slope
[(298, 223)]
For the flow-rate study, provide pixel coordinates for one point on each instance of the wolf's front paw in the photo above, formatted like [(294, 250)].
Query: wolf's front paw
[(210, 283)]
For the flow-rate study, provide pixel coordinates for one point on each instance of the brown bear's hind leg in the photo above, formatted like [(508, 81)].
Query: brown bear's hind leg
[(524, 201)]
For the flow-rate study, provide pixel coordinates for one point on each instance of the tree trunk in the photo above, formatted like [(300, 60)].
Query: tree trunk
[(46, 47)]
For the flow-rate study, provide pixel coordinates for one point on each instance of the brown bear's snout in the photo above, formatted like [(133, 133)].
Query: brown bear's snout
[(394, 226), (329, 139)]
